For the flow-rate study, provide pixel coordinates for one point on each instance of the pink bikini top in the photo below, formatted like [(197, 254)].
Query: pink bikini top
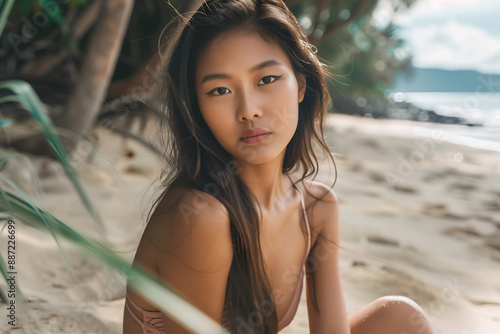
[(290, 313)]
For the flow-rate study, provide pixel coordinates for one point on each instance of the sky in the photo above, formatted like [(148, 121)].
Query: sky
[(452, 34)]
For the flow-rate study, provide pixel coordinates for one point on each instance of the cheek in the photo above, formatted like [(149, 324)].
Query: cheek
[(285, 110), (209, 113), (214, 121), (218, 124)]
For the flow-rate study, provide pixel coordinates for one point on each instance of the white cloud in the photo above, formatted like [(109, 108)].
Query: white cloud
[(439, 9), (453, 45)]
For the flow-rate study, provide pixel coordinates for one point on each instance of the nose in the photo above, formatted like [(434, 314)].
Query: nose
[(248, 107)]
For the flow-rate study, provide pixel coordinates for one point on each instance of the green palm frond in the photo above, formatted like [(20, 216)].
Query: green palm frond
[(27, 200), (5, 157), (5, 7), (145, 284), (53, 9), (25, 95)]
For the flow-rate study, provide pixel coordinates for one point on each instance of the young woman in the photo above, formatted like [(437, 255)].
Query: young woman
[(245, 97)]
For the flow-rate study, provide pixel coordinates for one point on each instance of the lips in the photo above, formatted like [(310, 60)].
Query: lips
[(254, 133), (254, 136)]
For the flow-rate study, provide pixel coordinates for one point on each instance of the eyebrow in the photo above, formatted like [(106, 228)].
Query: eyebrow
[(257, 67)]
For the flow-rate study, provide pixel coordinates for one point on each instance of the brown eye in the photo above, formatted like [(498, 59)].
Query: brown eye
[(269, 79), (219, 91)]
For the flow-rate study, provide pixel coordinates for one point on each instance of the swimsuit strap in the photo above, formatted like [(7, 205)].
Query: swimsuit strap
[(129, 301), (308, 227)]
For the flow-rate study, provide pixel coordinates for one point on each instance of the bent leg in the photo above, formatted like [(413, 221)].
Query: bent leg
[(390, 315)]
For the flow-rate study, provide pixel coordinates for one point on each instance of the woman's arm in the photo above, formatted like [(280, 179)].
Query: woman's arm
[(198, 267), (323, 265)]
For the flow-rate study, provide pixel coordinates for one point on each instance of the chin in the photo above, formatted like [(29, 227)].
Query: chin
[(258, 155)]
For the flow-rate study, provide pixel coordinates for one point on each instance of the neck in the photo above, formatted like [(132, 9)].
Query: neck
[(266, 181)]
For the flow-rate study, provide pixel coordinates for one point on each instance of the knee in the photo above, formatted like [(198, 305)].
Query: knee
[(390, 314), (404, 311), (398, 304)]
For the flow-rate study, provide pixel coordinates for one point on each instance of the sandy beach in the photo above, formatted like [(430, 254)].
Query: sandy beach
[(420, 217)]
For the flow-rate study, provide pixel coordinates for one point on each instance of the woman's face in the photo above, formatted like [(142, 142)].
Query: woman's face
[(244, 83)]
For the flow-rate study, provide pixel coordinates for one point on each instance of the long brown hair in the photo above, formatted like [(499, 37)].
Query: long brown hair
[(198, 161)]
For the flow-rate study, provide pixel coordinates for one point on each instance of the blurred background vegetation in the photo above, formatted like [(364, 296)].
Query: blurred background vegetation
[(93, 61)]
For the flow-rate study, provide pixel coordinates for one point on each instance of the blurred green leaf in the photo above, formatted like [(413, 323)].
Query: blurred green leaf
[(27, 96), (25, 163), (25, 5), (37, 211), (5, 7), (3, 162), (53, 10), (140, 280)]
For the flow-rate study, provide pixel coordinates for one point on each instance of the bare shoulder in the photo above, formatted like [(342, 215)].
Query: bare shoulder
[(189, 227), (322, 207), (188, 241), (319, 190)]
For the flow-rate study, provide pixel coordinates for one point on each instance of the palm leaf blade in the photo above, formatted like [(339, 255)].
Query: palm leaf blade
[(141, 281)]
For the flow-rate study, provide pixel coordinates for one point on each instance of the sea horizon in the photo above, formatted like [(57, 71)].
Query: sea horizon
[(475, 108)]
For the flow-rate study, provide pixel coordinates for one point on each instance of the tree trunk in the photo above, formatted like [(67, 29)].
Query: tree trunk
[(144, 78), (97, 69)]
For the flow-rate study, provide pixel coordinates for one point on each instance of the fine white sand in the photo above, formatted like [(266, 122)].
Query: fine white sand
[(420, 218)]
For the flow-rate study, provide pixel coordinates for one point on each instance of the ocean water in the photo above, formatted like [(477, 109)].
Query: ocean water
[(478, 108)]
